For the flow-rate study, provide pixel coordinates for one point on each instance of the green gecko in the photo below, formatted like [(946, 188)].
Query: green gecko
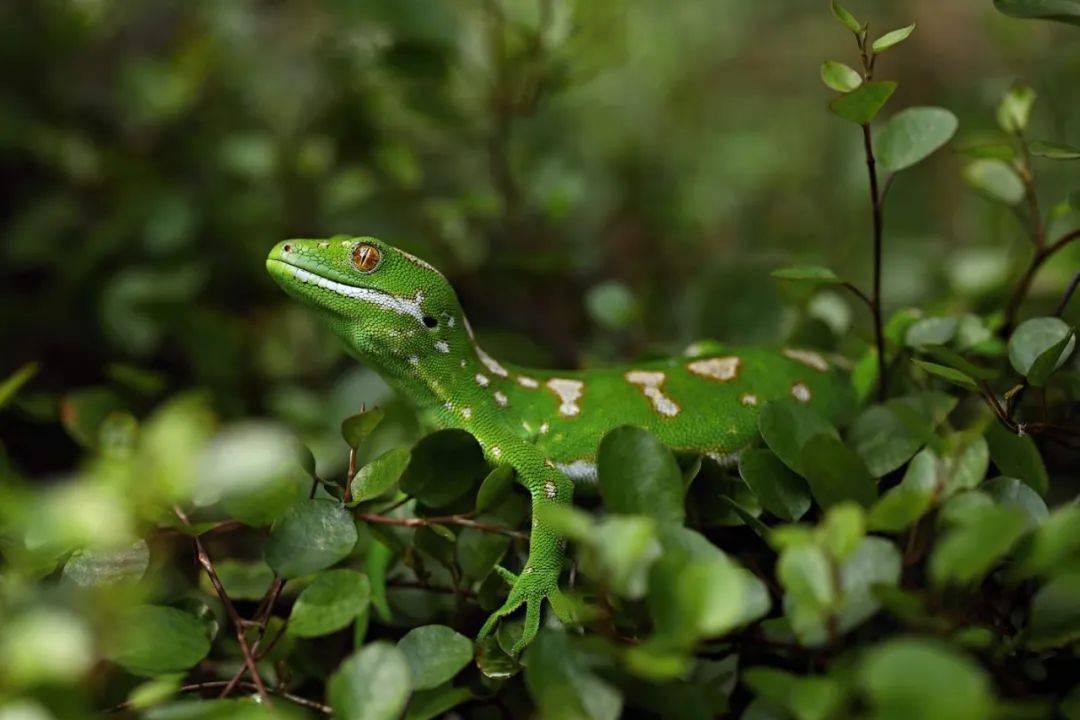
[(400, 316)]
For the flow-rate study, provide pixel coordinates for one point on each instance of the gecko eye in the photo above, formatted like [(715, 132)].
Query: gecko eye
[(366, 257)]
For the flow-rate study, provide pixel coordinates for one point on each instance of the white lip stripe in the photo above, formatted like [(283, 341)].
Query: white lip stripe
[(375, 297)]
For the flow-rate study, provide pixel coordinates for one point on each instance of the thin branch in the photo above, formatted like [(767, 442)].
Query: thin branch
[(859, 294), (215, 684), (262, 615), (238, 623), (462, 520), (875, 206), (1024, 284)]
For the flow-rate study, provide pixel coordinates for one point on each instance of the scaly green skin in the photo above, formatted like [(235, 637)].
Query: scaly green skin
[(402, 318)]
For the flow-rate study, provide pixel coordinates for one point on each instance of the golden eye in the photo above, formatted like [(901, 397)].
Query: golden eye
[(366, 257)]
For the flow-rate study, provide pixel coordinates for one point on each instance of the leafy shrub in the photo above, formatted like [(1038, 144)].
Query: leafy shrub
[(917, 560)]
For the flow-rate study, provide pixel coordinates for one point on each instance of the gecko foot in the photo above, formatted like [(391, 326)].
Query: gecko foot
[(534, 585)]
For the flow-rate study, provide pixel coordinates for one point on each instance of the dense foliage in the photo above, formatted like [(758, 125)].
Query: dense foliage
[(206, 511)]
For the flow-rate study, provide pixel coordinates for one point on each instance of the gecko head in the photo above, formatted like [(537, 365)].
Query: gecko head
[(384, 301)]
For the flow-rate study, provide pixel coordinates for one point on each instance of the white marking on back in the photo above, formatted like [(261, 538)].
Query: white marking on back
[(651, 384), (491, 363), (549, 490), (717, 368), (496, 451), (466, 413), (413, 360), (501, 399), (748, 399), (482, 380), (724, 459), (800, 392), (375, 297), (579, 471), (568, 392), (526, 381), (544, 428), (808, 358), (442, 346)]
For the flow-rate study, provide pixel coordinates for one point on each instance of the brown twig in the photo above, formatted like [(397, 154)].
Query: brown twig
[(462, 520), (1042, 254), (238, 623), (262, 615), (215, 684)]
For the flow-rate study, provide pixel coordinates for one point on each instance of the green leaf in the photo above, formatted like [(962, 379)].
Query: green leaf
[(893, 37), (12, 383), (357, 427), (931, 331), (1038, 336), (445, 465), (155, 640), (811, 697), (562, 683), (971, 549), (835, 473), (335, 599), (995, 180), (96, 567), (242, 580), (696, 591), (250, 459), (846, 18), (948, 374), (1015, 108), (437, 702), (639, 476), (1051, 359), (882, 438), (902, 505), (371, 684), (380, 475), (43, 645), (808, 273), (967, 466), (1055, 612), (780, 491), (620, 550), (913, 677), (914, 134), (311, 536), (861, 105), (435, 654), (839, 77), (1054, 151), (1066, 11), (495, 488), (786, 425), (1017, 457), (992, 151), (1053, 543), (1013, 493), (82, 413)]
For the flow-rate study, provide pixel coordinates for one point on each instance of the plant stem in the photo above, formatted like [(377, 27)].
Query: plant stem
[(238, 623), (1042, 254), (875, 300), (462, 520), (215, 684)]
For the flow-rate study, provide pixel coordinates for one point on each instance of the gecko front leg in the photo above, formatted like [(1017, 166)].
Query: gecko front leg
[(539, 579)]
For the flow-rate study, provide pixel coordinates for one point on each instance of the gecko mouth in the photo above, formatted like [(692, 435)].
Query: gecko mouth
[(293, 277)]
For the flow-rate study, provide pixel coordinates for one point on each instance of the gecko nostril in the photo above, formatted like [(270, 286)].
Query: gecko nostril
[(286, 248)]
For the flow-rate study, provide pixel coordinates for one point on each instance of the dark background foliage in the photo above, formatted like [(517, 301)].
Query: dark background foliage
[(600, 180)]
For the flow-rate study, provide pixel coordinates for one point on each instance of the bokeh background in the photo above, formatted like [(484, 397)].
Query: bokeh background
[(599, 179)]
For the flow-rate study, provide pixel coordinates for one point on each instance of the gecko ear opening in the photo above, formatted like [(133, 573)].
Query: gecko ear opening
[(430, 322)]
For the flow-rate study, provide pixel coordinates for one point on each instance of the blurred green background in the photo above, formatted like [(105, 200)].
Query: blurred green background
[(598, 179)]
